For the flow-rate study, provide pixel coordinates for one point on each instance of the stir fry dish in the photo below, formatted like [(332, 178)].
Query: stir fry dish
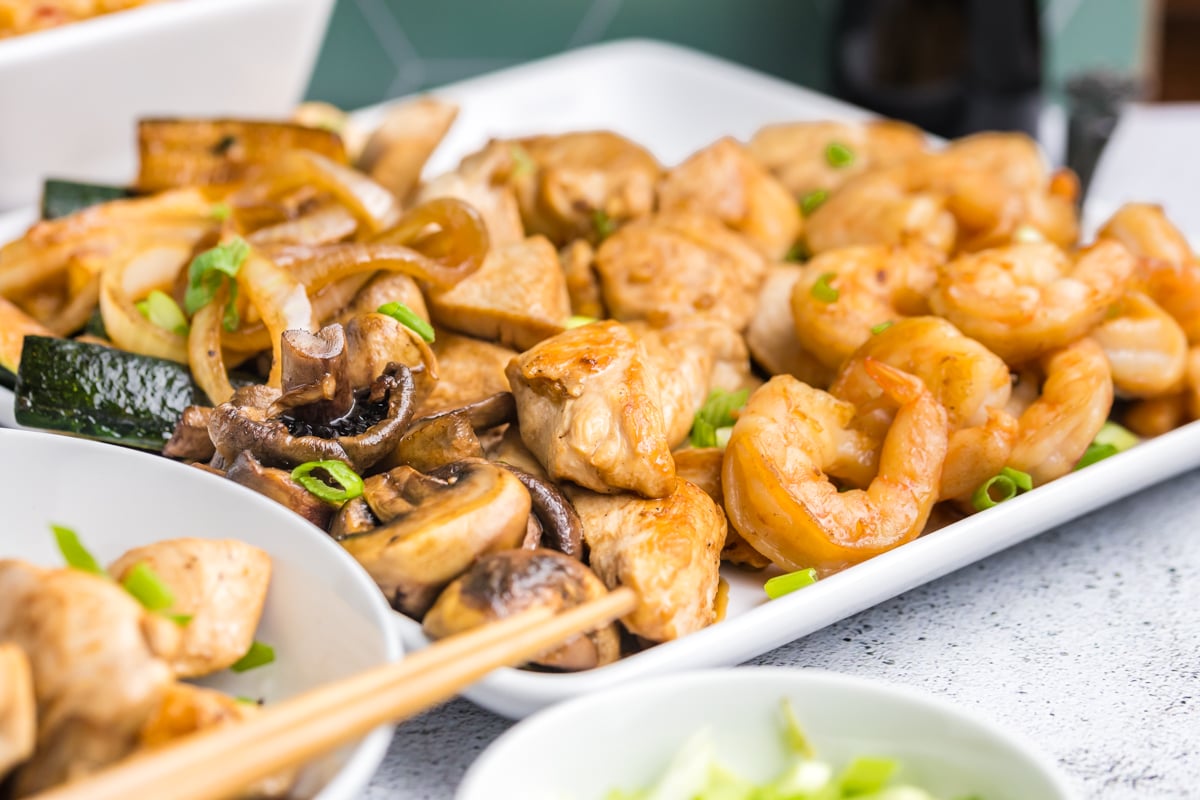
[(94, 660), (19, 17), (563, 367)]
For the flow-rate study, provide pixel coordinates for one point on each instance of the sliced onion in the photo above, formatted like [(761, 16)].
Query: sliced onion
[(280, 298), (75, 314), (324, 225), (131, 277), (447, 231), (204, 350), (374, 206)]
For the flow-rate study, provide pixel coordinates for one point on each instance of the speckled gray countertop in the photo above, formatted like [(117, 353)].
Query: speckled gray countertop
[(1086, 639)]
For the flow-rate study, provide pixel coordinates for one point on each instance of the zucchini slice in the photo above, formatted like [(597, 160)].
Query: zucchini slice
[(102, 393), (62, 198)]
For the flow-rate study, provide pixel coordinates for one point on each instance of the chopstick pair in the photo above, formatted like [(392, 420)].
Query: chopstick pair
[(220, 762)]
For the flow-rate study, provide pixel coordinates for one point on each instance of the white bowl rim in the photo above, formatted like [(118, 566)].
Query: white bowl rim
[(648, 689), (137, 22), (356, 773)]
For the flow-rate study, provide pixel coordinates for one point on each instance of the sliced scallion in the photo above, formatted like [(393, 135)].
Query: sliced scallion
[(577, 321), (881, 327), (148, 588), (259, 655), (349, 484), (162, 310), (838, 155), (866, 775), (812, 201), (717, 412), (220, 211), (209, 270), (1001, 487), (603, 224), (823, 291), (73, 551), (786, 584), (798, 254), (409, 319), (523, 163)]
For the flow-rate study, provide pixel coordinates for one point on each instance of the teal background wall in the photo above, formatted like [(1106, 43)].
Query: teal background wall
[(377, 49)]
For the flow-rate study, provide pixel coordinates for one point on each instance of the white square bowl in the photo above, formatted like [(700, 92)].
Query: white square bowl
[(70, 97)]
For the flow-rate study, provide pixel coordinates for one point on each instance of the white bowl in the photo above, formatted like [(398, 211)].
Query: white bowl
[(70, 96), (324, 616), (624, 738)]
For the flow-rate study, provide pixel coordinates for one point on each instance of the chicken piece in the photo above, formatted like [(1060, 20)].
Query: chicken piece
[(99, 662), (589, 409), (724, 181), (578, 185), (396, 152), (18, 708), (186, 709), (668, 550), (674, 266), (771, 336), (583, 284), (221, 584), (518, 297), (468, 370), (702, 466), (798, 153), (480, 181)]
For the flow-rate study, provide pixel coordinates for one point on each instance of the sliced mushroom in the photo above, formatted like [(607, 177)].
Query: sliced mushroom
[(561, 528), (482, 414), (221, 584), (18, 715), (362, 439), (191, 441), (507, 583), (441, 440), (278, 485), (511, 449), (318, 360), (458, 513), (377, 340), (355, 516)]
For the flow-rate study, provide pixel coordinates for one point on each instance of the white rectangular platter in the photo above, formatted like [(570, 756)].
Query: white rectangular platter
[(675, 101)]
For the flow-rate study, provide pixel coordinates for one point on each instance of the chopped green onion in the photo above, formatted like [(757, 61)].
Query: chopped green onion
[(161, 309), (812, 201), (259, 655), (181, 620), (786, 584), (838, 155), (823, 291), (603, 224), (208, 271), (576, 321), (881, 327), (409, 319), (220, 211), (349, 484), (1095, 452), (723, 434), (250, 701), (523, 163), (1027, 234), (866, 774), (793, 734), (1004, 486), (148, 588), (1119, 437), (73, 551), (718, 411), (798, 254)]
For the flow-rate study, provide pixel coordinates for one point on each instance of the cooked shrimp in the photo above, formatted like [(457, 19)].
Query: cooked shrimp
[(791, 439), (843, 293), (1077, 395), (976, 454), (1024, 300), (1193, 382), (1156, 415), (1146, 347)]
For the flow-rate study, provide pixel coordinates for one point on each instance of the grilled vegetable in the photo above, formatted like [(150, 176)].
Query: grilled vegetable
[(61, 198), (182, 152), (101, 392)]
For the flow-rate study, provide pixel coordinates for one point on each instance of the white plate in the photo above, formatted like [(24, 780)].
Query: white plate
[(324, 616), (674, 101), (624, 738)]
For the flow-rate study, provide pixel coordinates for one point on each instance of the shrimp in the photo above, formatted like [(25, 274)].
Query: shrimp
[(1193, 382), (1146, 347), (1156, 415), (1076, 398), (1024, 300), (976, 454), (842, 294), (789, 441), (1167, 268)]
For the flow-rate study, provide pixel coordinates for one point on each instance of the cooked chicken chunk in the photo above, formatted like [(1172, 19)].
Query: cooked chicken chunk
[(702, 466), (798, 153), (589, 409), (468, 370), (396, 152), (583, 284), (518, 297), (186, 709), (18, 708), (674, 266), (668, 550), (723, 181), (480, 180), (771, 336), (221, 584), (99, 664), (574, 185)]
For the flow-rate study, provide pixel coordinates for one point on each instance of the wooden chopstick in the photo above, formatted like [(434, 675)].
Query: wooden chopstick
[(220, 762)]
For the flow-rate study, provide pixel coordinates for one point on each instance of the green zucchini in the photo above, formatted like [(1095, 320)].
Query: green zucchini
[(102, 393), (7, 379), (61, 198)]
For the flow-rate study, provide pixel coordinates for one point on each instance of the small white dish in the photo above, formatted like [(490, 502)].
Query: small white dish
[(71, 96), (324, 616), (624, 738)]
